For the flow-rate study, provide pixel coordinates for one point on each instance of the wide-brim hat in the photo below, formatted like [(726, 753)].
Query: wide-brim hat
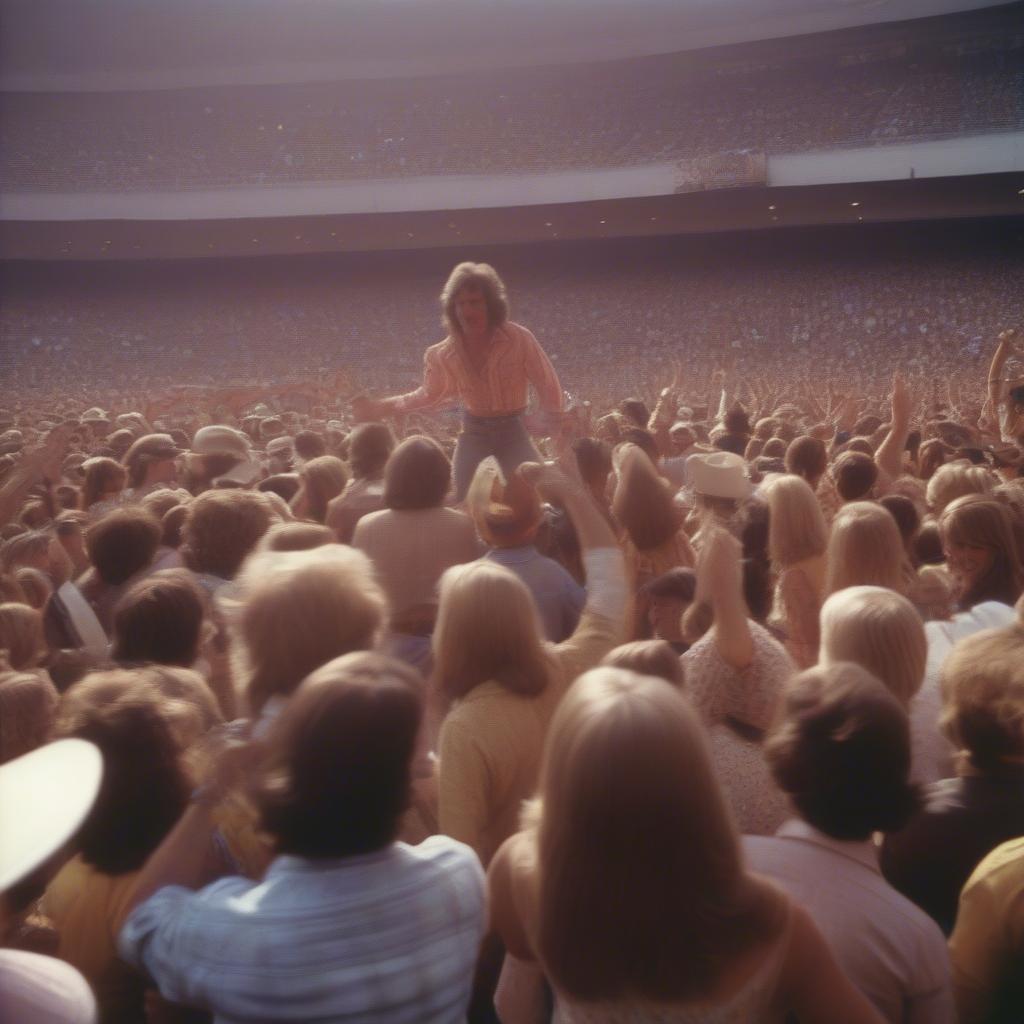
[(718, 475), (507, 513), (45, 796)]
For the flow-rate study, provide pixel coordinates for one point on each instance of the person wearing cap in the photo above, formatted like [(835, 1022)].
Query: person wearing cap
[(218, 439), (150, 463), (719, 483), (507, 517), (48, 792), (488, 363)]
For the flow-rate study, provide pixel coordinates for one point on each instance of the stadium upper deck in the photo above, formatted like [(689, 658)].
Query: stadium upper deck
[(938, 78)]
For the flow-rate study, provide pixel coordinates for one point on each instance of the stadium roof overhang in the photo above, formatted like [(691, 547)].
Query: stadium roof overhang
[(700, 212), (129, 44)]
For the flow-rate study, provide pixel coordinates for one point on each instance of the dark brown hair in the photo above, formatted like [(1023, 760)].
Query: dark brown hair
[(369, 447), (221, 528), (159, 620), (144, 789), (841, 750), (337, 777), (122, 543), (855, 474), (417, 475)]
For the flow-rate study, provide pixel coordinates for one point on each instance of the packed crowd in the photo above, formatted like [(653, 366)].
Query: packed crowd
[(715, 713), (547, 119), (612, 320)]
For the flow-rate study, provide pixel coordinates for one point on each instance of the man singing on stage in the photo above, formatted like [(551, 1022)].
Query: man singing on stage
[(487, 362)]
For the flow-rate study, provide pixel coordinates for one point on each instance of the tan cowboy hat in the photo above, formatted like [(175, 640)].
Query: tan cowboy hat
[(45, 796)]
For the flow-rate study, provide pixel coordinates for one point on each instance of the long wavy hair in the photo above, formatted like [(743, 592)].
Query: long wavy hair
[(642, 890)]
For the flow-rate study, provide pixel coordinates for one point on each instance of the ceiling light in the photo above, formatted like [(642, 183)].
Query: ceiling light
[(772, 207), (855, 204)]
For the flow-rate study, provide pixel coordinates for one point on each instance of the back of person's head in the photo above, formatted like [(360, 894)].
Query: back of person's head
[(807, 457), (28, 705), (145, 788), (797, 528), (159, 620), (35, 586), (103, 475), (369, 447), (296, 537), (765, 428), (337, 776), (171, 525), (122, 544), (879, 630), (840, 749), (321, 479), (865, 548), (954, 480), (986, 526), (309, 445), (594, 459), (927, 547), (159, 503), (855, 474), (644, 440), (983, 694), (488, 629), (295, 611), (417, 475), (737, 421), (774, 448), (648, 658), (285, 485), (31, 547), (221, 529), (626, 759), (22, 642), (904, 511), (643, 505), (635, 411), (12, 590)]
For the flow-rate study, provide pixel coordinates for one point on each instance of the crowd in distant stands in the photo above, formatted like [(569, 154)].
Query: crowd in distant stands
[(754, 639), (608, 115), (609, 328)]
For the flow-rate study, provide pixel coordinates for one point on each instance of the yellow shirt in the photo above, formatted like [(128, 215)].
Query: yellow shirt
[(83, 905), (987, 944), (492, 740)]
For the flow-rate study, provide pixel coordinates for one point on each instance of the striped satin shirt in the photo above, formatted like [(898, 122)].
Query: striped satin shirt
[(515, 361)]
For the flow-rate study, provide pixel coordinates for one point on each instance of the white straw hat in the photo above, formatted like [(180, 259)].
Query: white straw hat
[(718, 475), (44, 798)]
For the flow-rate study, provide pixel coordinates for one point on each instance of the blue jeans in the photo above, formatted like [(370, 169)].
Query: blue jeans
[(504, 437)]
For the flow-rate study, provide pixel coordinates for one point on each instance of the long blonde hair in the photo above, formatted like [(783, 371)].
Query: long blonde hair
[(865, 548), (642, 888), (796, 527), (880, 630), (488, 628)]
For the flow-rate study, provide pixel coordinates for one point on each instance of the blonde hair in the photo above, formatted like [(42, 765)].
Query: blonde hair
[(322, 479), (28, 704), (297, 610), (796, 526), (642, 503), (648, 658), (983, 691), (479, 276), (21, 635), (865, 547), (488, 628), (954, 480), (981, 522), (879, 630), (626, 759)]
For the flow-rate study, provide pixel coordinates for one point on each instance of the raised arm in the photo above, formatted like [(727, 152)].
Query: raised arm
[(889, 457), (995, 371), (720, 581)]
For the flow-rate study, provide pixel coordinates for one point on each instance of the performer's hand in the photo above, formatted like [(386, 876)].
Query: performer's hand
[(368, 410)]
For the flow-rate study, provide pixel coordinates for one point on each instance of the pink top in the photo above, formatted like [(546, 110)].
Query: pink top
[(515, 360)]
